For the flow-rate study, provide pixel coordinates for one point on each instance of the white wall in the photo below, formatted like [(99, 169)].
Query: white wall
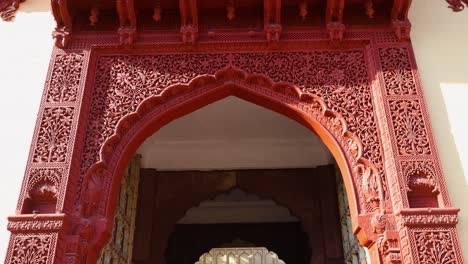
[(440, 41), (25, 48), (440, 38)]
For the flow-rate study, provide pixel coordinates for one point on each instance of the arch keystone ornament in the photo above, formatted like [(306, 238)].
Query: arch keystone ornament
[(361, 96)]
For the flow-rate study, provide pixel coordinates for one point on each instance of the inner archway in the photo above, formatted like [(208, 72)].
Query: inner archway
[(298, 148)]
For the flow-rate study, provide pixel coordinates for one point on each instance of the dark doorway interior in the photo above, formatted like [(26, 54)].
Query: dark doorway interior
[(309, 194), (188, 242)]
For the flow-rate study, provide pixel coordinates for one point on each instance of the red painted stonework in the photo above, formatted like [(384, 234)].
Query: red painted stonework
[(357, 89)]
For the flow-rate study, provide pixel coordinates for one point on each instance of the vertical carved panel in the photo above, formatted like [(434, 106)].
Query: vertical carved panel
[(397, 73), (31, 249), (65, 78), (408, 124), (54, 133), (435, 247)]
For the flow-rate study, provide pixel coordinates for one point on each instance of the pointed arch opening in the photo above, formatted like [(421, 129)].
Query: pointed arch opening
[(179, 100)]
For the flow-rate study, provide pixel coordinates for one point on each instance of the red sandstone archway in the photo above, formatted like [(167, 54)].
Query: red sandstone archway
[(102, 181), (365, 102)]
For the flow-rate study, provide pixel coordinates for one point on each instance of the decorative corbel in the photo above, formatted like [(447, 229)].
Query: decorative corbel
[(369, 6), (272, 19), (400, 21), (189, 20), (303, 9), (8, 9), (334, 19), (127, 21), (387, 240), (457, 5), (93, 16), (64, 21), (230, 10), (157, 12)]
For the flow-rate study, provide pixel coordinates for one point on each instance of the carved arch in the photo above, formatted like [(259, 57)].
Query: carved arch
[(101, 181)]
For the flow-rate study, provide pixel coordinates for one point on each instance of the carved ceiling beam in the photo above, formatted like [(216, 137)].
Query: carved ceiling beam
[(399, 17), (334, 19), (457, 5), (64, 22), (272, 19), (189, 20), (127, 21)]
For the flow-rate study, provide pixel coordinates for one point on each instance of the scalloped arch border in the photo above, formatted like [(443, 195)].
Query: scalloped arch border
[(181, 99)]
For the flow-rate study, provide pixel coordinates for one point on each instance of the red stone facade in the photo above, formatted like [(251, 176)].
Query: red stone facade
[(358, 89)]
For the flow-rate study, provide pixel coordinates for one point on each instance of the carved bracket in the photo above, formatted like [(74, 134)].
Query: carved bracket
[(272, 19), (8, 9), (457, 5)]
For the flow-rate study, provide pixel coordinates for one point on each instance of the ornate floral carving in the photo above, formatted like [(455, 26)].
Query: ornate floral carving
[(457, 5), (53, 136), (65, 78), (340, 78), (435, 247), (31, 249), (396, 71), (410, 131)]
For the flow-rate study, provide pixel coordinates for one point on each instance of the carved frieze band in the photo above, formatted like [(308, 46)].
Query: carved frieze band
[(35, 223), (428, 217)]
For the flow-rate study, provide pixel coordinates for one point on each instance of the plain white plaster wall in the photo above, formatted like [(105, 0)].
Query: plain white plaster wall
[(25, 48), (440, 41), (439, 36)]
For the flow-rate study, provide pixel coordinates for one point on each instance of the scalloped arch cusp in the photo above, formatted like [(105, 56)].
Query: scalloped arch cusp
[(330, 121)]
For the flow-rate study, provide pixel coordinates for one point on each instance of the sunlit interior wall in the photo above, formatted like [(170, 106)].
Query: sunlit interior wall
[(439, 36)]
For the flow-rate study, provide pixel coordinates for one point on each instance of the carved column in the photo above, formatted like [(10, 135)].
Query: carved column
[(423, 215), (39, 219)]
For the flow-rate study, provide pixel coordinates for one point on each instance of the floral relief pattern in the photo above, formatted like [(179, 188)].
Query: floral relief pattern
[(31, 250), (435, 247), (65, 78), (397, 72), (54, 134), (339, 77), (408, 124)]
